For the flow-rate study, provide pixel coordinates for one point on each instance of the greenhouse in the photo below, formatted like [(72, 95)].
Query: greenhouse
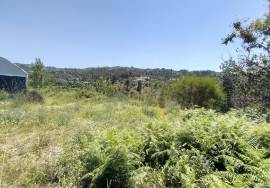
[(12, 77)]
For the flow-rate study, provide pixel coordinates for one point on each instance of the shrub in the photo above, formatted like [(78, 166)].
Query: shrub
[(149, 96), (193, 91), (87, 93), (79, 160), (198, 148), (156, 145), (152, 112), (253, 114), (146, 177), (3, 95), (134, 94), (162, 98), (34, 97), (115, 173), (107, 88), (268, 117)]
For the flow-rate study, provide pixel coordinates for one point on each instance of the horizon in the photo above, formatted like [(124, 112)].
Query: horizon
[(139, 34), (46, 66)]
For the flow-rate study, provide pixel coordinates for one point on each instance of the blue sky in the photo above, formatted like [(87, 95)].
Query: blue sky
[(177, 34)]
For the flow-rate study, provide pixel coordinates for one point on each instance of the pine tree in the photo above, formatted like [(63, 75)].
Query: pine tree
[(38, 75)]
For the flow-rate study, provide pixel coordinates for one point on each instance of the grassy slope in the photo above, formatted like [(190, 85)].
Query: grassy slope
[(34, 137)]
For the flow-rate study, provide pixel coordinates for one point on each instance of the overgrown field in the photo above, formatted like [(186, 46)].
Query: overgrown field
[(72, 140)]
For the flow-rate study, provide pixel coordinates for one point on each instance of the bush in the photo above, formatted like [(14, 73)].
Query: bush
[(268, 117), (193, 91), (86, 93), (3, 95), (162, 98), (79, 160), (34, 97), (115, 173), (196, 148), (107, 88)]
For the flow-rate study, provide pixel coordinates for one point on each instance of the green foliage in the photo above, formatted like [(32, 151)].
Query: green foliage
[(115, 173), (128, 143), (140, 86), (34, 97), (268, 116), (207, 150), (193, 91), (37, 77), (107, 88), (87, 93), (3, 95), (133, 94), (65, 77), (30, 97), (162, 98), (156, 146), (148, 177), (246, 79), (80, 159), (211, 147)]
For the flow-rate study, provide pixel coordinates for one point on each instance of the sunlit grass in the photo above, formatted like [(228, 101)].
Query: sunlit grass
[(67, 141)]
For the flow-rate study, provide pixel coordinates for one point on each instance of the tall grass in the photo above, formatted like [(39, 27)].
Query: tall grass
[(78, 140)]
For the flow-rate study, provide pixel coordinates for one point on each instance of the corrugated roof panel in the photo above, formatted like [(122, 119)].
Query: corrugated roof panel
[(9, 69)]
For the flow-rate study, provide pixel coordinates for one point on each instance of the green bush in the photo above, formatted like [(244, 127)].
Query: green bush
[(115, 173), (156, 146), (3, 95), (193, 91), (80, 159), (34, 97), (198, 148), (268, 117), (107, 88), (162, 98), (86, 92)]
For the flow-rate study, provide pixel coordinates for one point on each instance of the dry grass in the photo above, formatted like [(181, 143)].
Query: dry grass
[(32, 137)]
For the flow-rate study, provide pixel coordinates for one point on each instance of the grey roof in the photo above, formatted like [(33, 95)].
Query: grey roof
[(9, 69)]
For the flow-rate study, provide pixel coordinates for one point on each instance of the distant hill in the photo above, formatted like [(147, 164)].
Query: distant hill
[(118, 73)]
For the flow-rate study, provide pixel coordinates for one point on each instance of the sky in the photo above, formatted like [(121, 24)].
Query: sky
[(174, 34)]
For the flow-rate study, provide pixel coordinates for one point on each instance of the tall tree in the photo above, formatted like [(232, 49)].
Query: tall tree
[(249, 73), (38, 75)]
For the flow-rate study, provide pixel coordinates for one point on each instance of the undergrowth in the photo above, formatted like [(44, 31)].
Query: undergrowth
[(201, 149), (79, 139)]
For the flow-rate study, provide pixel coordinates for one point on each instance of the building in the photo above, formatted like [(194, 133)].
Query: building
[(12, 77), (142, 78)]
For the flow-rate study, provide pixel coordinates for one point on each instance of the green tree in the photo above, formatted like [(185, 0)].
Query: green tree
[(250, 71), (193, 91), (38, 75)]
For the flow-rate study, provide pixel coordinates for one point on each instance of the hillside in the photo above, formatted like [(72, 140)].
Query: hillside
[(87, 74)]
